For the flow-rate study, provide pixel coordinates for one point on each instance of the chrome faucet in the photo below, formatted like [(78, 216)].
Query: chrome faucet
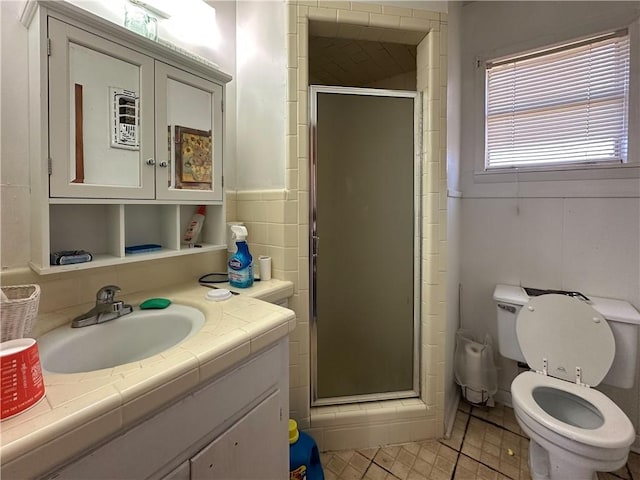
[(106, 309)]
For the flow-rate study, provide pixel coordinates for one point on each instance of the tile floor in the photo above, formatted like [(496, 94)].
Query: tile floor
[(486, 443)]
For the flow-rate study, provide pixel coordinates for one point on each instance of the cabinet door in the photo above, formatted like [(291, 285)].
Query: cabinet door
[(101, 125), (189, 136), (255, 447)]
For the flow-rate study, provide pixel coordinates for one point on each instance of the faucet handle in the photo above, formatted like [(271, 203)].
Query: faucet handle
[(107, 293)]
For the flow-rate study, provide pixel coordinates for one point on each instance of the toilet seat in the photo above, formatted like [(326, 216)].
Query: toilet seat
[(565, 338), (616, 430)]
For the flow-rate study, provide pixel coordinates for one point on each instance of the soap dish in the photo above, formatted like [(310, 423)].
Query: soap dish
[(218, 295)]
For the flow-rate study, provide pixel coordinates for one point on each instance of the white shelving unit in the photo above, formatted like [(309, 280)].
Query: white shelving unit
[(139, 193)]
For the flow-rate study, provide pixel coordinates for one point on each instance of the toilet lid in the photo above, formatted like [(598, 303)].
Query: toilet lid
[(568, 333)]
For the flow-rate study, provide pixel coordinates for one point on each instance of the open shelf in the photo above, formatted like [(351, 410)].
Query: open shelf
[(104, 230)]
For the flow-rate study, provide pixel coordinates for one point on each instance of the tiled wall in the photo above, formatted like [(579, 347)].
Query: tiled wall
[(280, 221), (265, 214), (271, 218), (63, 290)]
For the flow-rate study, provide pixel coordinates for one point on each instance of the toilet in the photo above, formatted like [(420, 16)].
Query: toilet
[(570, 345)]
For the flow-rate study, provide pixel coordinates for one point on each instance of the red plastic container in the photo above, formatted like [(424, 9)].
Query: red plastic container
[(22, 385)]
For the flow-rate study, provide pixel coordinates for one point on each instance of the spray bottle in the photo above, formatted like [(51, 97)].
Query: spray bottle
[(241, 263)]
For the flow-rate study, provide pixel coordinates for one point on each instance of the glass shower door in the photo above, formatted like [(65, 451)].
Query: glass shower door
[(364, 264)]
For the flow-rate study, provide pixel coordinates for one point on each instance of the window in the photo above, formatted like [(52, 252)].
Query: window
[(562, 106)]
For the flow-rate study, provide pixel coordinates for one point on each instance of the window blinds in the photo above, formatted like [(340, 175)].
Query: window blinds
[(565, 105)]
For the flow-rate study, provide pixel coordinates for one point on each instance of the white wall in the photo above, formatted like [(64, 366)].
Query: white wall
[(226, 58), (261, 88), (14, 144), (580, 234)]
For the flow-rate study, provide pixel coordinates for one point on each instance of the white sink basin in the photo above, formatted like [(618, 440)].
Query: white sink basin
[(129, 338)]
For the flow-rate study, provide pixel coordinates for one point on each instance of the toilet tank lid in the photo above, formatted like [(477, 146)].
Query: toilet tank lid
[(611, 309), (616, 310)]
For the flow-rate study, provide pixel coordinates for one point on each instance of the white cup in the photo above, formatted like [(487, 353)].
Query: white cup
[(265, 267)]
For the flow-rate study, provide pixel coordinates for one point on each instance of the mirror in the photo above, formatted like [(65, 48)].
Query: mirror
[(104, 126)]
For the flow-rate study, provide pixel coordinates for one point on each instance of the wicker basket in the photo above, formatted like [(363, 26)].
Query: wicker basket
[(18, 312)]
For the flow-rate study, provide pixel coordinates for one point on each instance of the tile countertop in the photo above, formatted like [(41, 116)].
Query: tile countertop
[(80, 410)]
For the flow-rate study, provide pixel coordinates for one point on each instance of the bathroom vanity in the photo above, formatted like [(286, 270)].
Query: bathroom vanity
[(214, 406)]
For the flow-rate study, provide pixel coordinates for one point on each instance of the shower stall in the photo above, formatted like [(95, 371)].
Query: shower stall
[(364, 244)]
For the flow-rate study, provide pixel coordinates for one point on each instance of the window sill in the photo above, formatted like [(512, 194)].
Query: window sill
[(559, 173)]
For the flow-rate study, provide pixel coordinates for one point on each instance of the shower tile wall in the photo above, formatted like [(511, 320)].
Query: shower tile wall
[(280, 223)]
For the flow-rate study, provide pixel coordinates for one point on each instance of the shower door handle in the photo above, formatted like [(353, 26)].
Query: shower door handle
[(315, 245)]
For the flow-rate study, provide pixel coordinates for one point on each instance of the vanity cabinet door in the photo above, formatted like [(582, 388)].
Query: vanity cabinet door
[(101, 123), (250, 449), (189, 136)]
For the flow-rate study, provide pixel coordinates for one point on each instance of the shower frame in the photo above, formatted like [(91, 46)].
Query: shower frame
[(314, 90)]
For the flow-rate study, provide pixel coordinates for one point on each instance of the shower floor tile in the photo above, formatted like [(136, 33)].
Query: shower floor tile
[(485, 444)]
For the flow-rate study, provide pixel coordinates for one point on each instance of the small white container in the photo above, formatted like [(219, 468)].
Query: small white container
[(218, 295)]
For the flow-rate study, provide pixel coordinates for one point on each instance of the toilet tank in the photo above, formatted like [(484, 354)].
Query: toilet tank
[(622, 317)]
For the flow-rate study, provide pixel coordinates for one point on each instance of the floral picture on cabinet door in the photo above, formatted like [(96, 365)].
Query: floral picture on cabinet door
[(194, 162)]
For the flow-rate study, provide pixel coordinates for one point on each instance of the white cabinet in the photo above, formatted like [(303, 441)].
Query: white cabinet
[(233, 428), (243, 452), (127, 141), (189, 111), (89, 78), (123, 125)]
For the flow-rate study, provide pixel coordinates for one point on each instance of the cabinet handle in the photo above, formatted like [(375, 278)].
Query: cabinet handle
[(150, 161), (164, 164)]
